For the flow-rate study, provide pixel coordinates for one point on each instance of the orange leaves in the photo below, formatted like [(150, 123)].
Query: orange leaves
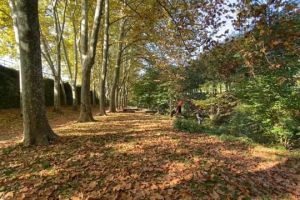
[(143, 160), (92, 185), (122, 186), (156, 196)]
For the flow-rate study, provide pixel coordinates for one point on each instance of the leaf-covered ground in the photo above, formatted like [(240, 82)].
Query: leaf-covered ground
[(139, 156)]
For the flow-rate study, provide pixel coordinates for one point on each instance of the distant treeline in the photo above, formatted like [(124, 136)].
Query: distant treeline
[(10, 90)]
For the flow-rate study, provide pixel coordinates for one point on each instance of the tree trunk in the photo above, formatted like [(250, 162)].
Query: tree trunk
[(94, 96), (113, 95), (36, 128), (13, 9), (74, 96), (102, 99), (117, 99), (124, 97), (85, 108), (88, 53), (63, 91), (57, 103), (57, 79)]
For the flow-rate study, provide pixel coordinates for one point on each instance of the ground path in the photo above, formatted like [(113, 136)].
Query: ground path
[(139, 156)]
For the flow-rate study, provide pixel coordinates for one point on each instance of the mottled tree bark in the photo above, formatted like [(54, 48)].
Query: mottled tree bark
[(88, 53), (74, 96), (103, 74), (63, 91), (72, 73), (85, 108), (113, 94), (14, 15), (36, 128), (57, 92), (59, 28)]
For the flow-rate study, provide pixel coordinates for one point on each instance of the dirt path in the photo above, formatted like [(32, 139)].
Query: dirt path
[(135, 156)]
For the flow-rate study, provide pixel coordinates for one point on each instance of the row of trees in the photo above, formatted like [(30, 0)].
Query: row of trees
[(117, 36), (116, 45)]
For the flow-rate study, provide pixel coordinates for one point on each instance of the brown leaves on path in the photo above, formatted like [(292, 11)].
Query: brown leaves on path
[(135, 156)]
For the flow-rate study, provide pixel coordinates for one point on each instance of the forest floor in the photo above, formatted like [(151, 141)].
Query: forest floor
[(139, 156)]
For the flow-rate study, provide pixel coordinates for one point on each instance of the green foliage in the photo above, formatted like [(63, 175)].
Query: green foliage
[(269, 109), (261, 71), (266, 112), (151, 92), (8, 150), (231, 138), (45, 164), (191, 126), (187, 125)]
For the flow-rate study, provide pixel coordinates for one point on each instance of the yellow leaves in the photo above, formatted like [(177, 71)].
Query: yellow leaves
[(263, 50), (5, 15)]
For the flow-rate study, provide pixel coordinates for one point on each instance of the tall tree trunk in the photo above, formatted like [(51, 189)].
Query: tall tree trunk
[(102, 99), (57, 93), (13, 9), (94, 95), (74, 81), (124, 96), (72, 73), (113, 95), (57, 103), (88, 53), (36, 128), (63, 91), (85, 108), (57, 78), (74, 96), (56, 71)]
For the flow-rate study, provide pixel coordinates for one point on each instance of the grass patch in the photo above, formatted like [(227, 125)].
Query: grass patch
[(8, 171), (187, 125), (45, 164), (8, 150), (191, 126)]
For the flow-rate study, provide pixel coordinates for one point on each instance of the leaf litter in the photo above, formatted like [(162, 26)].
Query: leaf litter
[(138, 156)]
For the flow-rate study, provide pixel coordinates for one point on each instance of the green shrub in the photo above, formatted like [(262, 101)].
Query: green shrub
[(187, 125), (231, 138)]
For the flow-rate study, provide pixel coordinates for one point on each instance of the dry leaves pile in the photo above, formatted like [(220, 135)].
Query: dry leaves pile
[(135, 156)]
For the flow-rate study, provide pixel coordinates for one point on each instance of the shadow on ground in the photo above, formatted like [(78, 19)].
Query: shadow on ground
[(134, 156)]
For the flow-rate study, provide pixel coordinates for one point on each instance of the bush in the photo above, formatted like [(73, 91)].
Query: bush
[(218, 108), (230, 138), (187, 125)]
